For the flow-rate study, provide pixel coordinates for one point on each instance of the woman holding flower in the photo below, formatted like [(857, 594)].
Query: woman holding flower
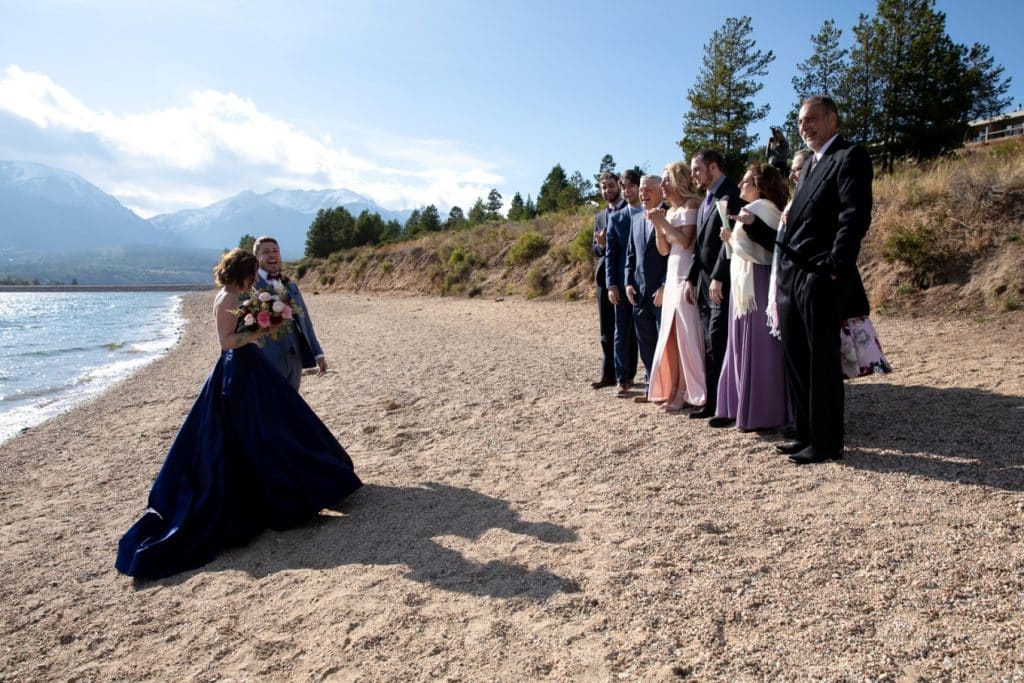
[(752, 388), (250, 455)]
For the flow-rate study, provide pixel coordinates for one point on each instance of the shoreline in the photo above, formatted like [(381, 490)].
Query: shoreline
[(516, 524), (184, 287), (79, 389)]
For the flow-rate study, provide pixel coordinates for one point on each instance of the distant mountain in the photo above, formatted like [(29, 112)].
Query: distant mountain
[(48, 208), (285, 214)]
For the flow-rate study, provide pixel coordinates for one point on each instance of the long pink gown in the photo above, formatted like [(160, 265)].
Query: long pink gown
[(678, 368)]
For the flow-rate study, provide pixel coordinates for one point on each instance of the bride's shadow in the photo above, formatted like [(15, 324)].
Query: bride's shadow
[(956, 434), (389, 525)]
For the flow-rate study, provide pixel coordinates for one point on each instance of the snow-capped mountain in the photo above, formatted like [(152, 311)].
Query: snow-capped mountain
[(285, 214), (49, 208)]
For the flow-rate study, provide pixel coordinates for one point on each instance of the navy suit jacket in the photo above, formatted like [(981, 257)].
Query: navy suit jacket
[(302, 337), (645, 266), (619, 226)]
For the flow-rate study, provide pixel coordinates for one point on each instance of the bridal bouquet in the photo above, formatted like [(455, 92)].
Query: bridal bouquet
[(267, 308)]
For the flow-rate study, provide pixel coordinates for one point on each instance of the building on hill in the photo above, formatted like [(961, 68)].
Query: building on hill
[(996, 129)]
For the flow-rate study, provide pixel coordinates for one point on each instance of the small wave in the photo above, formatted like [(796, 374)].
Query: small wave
[(29, 394), (114, 346), (47, 353)]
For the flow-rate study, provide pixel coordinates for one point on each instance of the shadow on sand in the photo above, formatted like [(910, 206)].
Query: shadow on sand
[(969, 436), (385, 525)]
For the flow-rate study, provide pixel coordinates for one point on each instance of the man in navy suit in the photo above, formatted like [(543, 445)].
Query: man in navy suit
[(817, 277), (619, 224), (298, 349), (612, 193), (645, 274), (707, 283)]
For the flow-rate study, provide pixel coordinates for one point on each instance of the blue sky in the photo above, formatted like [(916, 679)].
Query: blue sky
[(172, 105)]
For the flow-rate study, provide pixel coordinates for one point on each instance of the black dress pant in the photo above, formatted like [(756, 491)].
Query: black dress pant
[(715, 321), (810, 314), (606, 316)]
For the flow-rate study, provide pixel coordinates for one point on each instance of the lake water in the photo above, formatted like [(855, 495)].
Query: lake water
[(60, 348)]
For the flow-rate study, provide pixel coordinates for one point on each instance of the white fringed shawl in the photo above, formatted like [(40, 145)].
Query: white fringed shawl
[(746, 252)]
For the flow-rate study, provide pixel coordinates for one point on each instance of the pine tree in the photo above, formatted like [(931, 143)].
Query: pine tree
[(477, 212), (246, 242), (530, 207), (391, 232), (430, 219), (368, 227), (607, 164), (552, 190), (412, 224), (456, 218), (988, 84), (860, 88), (820, 74), (722, 99), (517, 208), (320, 236), (929, 86), (493, 204)]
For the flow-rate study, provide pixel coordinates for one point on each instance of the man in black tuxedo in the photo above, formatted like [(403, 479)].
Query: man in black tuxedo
[(707, 284), (612, 193), (828, 218)]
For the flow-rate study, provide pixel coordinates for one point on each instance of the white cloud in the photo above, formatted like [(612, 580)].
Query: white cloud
[(218, 144)]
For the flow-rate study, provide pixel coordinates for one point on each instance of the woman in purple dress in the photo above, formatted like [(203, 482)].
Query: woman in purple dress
[(752, 387)]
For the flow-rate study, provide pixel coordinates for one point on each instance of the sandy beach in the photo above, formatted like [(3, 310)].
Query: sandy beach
[(517, 525)]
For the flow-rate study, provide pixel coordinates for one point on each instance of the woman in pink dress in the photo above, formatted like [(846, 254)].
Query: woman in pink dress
[(677, 373)]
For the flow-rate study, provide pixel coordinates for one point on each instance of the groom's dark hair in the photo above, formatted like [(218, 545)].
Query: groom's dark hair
[(261, 240)]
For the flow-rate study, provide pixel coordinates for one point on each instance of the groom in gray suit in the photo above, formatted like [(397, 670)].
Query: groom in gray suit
[(299, 348)]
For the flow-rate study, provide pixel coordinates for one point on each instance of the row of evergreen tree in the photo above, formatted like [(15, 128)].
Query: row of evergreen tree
[(336, 228), (904, 89)]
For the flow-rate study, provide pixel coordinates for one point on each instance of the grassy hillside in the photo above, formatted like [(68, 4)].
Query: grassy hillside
[(947, 237)]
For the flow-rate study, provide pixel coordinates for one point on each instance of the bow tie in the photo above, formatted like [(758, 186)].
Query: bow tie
[(274, 276)]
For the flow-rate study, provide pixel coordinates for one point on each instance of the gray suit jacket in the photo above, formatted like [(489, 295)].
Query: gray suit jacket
[(302, 339)]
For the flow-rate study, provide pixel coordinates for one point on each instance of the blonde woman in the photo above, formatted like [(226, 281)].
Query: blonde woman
[(677, 374)]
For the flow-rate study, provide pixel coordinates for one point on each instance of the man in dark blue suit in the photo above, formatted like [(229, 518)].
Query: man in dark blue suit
[(707, 284), (299, 349), (612, 193), (645, 274), (619, 224), (818, 278)]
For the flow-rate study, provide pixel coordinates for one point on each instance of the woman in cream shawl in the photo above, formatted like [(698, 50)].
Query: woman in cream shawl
[(752, 387)]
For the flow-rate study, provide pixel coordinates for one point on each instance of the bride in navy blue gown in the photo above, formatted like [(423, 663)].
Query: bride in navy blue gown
[(250, 455)]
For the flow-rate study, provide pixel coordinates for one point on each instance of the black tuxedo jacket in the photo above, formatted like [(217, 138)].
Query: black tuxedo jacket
[(829, 216), (601, 223), (710, 261)]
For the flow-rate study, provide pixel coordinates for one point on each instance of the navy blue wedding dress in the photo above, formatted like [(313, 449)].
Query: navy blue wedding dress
[(250, 455)]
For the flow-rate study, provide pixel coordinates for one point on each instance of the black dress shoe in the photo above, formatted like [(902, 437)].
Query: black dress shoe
[(719, 422), (811, 455), (602, 383), (702, 414), (790, 447)]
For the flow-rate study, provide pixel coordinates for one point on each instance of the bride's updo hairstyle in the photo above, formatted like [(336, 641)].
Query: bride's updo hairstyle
[(235, 267), (679, 178)]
